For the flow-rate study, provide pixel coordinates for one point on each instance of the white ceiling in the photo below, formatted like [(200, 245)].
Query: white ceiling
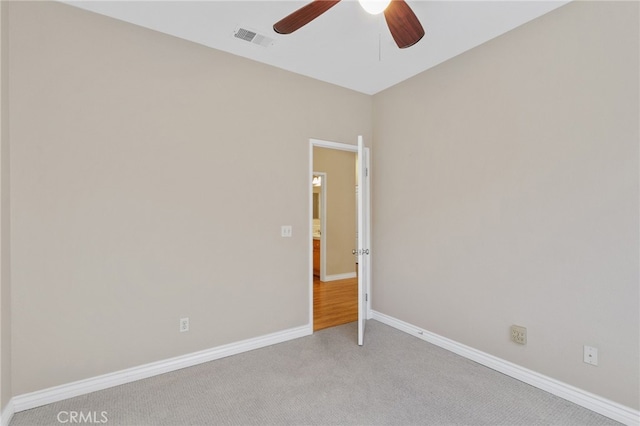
[(345, 46)]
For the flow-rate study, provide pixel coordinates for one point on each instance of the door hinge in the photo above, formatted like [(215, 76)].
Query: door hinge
[(366, 171), (366, 297)]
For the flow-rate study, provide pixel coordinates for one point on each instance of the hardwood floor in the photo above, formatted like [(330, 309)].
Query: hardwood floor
[(334, 302)]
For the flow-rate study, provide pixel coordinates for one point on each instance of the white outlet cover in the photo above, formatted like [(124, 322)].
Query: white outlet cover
[(184, 324), (591, 355), (519, 334)]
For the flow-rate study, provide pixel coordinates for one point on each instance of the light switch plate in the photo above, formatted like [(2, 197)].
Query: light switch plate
[(286, 231)]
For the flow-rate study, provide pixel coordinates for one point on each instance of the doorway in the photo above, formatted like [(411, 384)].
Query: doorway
[(333, 228)]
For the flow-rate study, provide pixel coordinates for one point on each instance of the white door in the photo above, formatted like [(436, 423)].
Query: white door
[(364, 235)]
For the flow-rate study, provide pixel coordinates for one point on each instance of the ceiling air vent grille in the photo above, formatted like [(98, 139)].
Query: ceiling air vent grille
[(252, 37), (245, 35)]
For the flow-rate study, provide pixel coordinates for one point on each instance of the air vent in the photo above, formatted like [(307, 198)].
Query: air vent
[(252, 37), (245, 35)]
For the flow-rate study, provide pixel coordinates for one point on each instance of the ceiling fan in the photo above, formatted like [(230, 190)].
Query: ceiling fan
[(402, 22)]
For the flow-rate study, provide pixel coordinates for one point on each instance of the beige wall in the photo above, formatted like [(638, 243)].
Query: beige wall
[(5, 276), (135, 162), (506, 192), (340, 186)]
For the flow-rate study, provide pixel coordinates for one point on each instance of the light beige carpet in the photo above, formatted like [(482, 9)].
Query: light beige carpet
[(327, 379)]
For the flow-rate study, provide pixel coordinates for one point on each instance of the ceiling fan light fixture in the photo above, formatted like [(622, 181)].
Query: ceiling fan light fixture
[(374, 7), (404, 25)]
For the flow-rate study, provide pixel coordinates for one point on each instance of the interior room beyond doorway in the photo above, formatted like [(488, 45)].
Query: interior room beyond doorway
[(334, 222)]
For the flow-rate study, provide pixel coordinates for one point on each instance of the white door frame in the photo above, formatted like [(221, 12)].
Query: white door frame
[(341, 147), (323, 224)]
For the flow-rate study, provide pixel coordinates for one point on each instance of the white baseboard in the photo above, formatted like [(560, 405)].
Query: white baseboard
[(593, 402), (81, 387), (336, 277), (7, 414)]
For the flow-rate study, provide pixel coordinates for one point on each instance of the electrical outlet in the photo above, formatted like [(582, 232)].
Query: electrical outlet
[(184, 324), (519, 334), (286, 231), (591, 355)]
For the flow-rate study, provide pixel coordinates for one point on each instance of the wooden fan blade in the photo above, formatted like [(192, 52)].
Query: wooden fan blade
[(303, 16), (403, 24)]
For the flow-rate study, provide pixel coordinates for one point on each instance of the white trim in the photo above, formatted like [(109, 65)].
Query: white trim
[(336, 277), (7, 414), (323, 224), (81, 387), (310, 230), (362, 239), (368, 230), (593, 402), (332, 145)]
